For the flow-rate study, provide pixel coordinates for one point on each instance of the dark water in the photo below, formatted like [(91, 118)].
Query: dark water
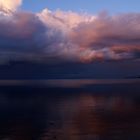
[(70, 110)]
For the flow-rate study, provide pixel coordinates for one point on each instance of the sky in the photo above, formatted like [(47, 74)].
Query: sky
[(89, 6), (53, 33), (69, 31)]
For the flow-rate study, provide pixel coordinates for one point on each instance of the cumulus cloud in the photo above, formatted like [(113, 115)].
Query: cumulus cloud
[(64, 20), (109, 37), (96, 37), (8, 6), (67, 36)]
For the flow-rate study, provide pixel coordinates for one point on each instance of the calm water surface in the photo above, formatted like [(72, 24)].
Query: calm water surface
[(70, 110)]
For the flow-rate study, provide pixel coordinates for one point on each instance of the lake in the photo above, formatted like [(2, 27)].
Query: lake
[(79, 109)]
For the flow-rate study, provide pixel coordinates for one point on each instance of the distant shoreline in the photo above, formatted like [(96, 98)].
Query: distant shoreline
[(68, 82)]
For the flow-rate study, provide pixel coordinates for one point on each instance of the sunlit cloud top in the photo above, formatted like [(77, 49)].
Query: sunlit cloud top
[(8, 6)]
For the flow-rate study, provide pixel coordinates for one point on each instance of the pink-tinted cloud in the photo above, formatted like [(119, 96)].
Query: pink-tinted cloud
[(8, 6), (68, 36), (109, 37)]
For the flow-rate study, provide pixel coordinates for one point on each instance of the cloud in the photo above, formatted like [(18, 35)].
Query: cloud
[(64, 20), (67, 36), (109, 37), (8, 6), (21, 36), (97, 37)]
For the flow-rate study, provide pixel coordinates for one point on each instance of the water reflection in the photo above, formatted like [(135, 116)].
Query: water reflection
[(28, 113), (97, 117)]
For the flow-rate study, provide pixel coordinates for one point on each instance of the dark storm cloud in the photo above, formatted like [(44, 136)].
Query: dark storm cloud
[(20, 33)]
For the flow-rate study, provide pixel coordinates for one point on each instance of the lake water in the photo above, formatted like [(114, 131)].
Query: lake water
[(70, 109)]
